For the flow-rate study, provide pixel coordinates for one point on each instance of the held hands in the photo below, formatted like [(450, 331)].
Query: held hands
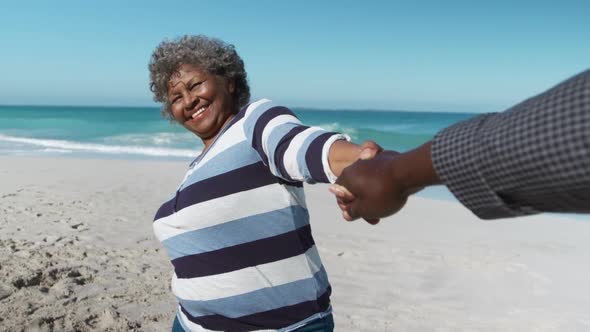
[(368, 188)]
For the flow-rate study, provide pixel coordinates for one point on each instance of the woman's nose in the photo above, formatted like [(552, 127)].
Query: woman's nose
[(191, 101)]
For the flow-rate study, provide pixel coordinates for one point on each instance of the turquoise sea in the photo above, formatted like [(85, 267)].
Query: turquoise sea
[(142, 133)]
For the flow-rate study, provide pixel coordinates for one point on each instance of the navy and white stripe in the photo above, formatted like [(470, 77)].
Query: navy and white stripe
[(237, 230), (292, 151)]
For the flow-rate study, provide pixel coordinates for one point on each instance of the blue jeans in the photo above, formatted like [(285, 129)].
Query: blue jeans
[(176, 327), (325, 324)]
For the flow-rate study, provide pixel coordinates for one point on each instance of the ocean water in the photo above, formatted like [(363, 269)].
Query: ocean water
[(141, 132)]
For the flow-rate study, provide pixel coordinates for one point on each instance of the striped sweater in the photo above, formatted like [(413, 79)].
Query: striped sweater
[(237, 229)]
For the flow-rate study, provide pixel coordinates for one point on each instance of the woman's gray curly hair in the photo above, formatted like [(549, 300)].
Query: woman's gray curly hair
[(209, 54)]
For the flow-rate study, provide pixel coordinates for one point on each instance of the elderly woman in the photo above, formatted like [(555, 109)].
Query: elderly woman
[(237, 229)]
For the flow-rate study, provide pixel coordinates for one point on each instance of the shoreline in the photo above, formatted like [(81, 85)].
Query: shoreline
[(78, 252)]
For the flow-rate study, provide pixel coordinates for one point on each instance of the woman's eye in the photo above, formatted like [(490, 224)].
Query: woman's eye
[(175, 100), (195, 85)]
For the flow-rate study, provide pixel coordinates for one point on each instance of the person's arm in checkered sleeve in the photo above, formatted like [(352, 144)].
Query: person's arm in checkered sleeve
[(534, 157)]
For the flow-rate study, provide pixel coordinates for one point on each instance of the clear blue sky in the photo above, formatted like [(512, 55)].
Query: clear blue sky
[(470, 56)]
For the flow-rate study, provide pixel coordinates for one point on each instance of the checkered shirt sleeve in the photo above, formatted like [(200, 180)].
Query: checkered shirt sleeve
[(534, 157)]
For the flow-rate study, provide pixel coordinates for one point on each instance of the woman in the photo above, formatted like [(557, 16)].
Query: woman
[(237, 229)]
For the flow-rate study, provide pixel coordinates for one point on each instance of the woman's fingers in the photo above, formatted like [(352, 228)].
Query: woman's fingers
[(346, 216), (342, 193), (369, 150), (345, 200), (342, 206)]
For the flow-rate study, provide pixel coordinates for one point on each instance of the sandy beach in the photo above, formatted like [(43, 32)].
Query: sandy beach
[(77, 253)]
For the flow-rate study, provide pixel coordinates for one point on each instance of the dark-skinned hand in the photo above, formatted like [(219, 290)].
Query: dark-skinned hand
[(368, 187)]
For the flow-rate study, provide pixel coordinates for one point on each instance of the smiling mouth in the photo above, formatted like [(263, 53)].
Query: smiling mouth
[(198, 113)]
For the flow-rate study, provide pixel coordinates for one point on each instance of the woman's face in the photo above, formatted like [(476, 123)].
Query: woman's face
[(200, 101)]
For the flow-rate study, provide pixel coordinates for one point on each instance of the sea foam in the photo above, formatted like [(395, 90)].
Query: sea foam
[(64, 146)]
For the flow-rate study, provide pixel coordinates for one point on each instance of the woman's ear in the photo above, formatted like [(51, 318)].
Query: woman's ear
[(232, 87)]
